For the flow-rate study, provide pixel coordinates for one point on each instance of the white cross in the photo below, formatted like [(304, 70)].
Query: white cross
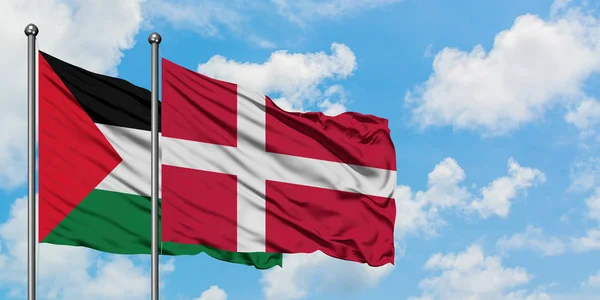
[(249, 161)]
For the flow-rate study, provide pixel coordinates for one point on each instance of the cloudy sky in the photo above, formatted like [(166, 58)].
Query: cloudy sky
[(494, 109)]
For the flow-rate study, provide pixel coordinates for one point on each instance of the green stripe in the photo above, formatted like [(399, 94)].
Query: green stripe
[(121, 224)]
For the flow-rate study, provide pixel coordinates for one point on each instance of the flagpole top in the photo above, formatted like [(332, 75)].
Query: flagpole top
[(31, 29), (154, 38)]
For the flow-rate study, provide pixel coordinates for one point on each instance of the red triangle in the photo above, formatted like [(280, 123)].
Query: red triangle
[(74, 155)]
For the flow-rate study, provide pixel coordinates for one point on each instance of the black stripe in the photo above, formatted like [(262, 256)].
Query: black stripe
[(107, 100)]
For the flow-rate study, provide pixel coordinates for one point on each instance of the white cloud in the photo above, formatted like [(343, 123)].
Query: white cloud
[(301, 11), (487, 278), (524, 295), (213, 293), (585, 116), (70, 30), (445, 190), (296, 77), (443, 185), (559, 6), (215, 18), (304, 273), (167, 267), (286, 105), (532, 239), (69, 272), (427, 52), (585, 174), (533, 66), (592, 282), (590, 242), (420, 212), (415, 214), (261, 42), (117, 278), (593, 205), (331, 109), (498, 194), (204, 17)]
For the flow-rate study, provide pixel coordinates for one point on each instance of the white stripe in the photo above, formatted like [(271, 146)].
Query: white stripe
[(279, 167), (251, 194), (132, 175)]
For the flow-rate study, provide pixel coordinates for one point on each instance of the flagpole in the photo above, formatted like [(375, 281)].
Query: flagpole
[(154, 39), (31, 32)]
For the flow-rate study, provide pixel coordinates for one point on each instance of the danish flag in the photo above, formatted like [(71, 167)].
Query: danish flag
[(241, 174)]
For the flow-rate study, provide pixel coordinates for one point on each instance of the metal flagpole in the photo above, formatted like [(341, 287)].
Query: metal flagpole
[(154, 39), (31, 32)]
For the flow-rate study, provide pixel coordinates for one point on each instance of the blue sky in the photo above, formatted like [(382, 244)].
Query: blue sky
[(493, 111)]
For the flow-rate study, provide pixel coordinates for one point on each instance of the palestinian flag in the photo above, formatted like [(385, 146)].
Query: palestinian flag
[(94, 166)]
